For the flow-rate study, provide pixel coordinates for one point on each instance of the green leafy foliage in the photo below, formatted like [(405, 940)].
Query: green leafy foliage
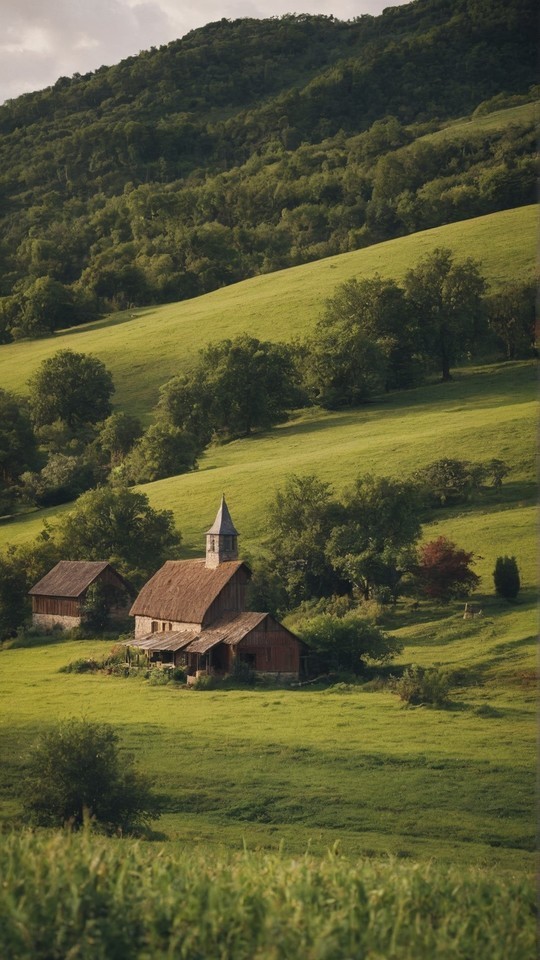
[(373, 547), (117, 435), (243, 162), (347, 642), (163, 451), (237, 386), (511, 316), (18, 448), (120, 526), (76, 771), (320, 546), (301, 517), (71, 387), (418, 685), (445, 299), (506, 578)]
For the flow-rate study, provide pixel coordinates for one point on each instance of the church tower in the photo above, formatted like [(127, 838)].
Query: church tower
[(221, 538)]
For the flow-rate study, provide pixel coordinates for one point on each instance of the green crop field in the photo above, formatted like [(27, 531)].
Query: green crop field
[(85, 898), (144, 348)]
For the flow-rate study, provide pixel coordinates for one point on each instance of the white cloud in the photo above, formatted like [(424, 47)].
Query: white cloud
[(45, 39)]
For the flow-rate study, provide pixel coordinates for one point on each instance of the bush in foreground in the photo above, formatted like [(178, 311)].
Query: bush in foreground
[(76, 772), (419, 686), (86, 897)]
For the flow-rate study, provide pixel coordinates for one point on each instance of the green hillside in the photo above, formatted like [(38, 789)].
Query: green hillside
[(143, 348), (250, 146)]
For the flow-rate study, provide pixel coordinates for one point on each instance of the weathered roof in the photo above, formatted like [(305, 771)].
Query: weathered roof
[(229, 629), (163, 640), (70, 578), (183, 590), (223, 524)]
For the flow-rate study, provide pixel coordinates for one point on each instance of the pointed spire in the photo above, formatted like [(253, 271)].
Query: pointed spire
[(223, 524), (221, 538)]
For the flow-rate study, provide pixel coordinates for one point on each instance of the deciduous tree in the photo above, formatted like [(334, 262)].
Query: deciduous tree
[(118, 525), (445, 298), (76, 770), (73, 387), (444, 570), (348, 642), (372, 548)]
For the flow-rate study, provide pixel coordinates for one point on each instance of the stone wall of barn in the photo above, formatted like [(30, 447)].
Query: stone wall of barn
[(145, 625), (49, 620)]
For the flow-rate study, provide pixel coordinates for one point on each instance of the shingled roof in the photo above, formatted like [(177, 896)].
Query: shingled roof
[(183, 590), (223, 523), (163, 640), (229, 629), (69, 578)]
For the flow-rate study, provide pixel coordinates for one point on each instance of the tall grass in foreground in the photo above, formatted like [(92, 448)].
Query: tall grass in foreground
[(91, 899)]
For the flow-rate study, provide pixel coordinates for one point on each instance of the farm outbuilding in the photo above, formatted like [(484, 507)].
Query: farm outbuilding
[(192, 613), (58, 598)]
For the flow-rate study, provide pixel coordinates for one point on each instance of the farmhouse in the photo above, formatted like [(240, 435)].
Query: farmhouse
[(58, 598), (193, 613)]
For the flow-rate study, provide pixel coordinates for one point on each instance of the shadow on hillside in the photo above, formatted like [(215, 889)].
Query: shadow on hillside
[(31, 642), (485, 387), (112, 320)]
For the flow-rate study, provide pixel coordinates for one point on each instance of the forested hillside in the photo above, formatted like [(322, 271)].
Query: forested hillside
[(250, 145)]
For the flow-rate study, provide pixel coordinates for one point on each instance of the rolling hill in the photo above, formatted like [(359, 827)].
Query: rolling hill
[(145, 347)]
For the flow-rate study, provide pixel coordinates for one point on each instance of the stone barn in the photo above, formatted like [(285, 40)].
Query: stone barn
[(58, 599), (192, 613)]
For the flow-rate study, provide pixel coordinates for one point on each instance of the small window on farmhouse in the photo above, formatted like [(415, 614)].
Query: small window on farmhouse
[(153, 626), (212, 543), (170, 626)]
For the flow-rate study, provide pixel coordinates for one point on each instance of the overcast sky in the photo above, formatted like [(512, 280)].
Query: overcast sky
[(42, 40)]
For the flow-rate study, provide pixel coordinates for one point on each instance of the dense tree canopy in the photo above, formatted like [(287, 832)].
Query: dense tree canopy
[(252, 145), (348, 642), (18, 450), (301, 517), (73, 387), (511, 316), (372, 548), (118, 525), (237, 386), (445, 297)]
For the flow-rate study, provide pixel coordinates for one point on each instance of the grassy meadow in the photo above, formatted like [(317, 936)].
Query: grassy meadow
[(299, 767), (145, 347), (432, 811), (484, 412)]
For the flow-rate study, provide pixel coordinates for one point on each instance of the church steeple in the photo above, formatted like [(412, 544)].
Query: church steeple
[(221, 538)]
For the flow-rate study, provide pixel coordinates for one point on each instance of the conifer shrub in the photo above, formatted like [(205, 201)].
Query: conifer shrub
[(506, 578)]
